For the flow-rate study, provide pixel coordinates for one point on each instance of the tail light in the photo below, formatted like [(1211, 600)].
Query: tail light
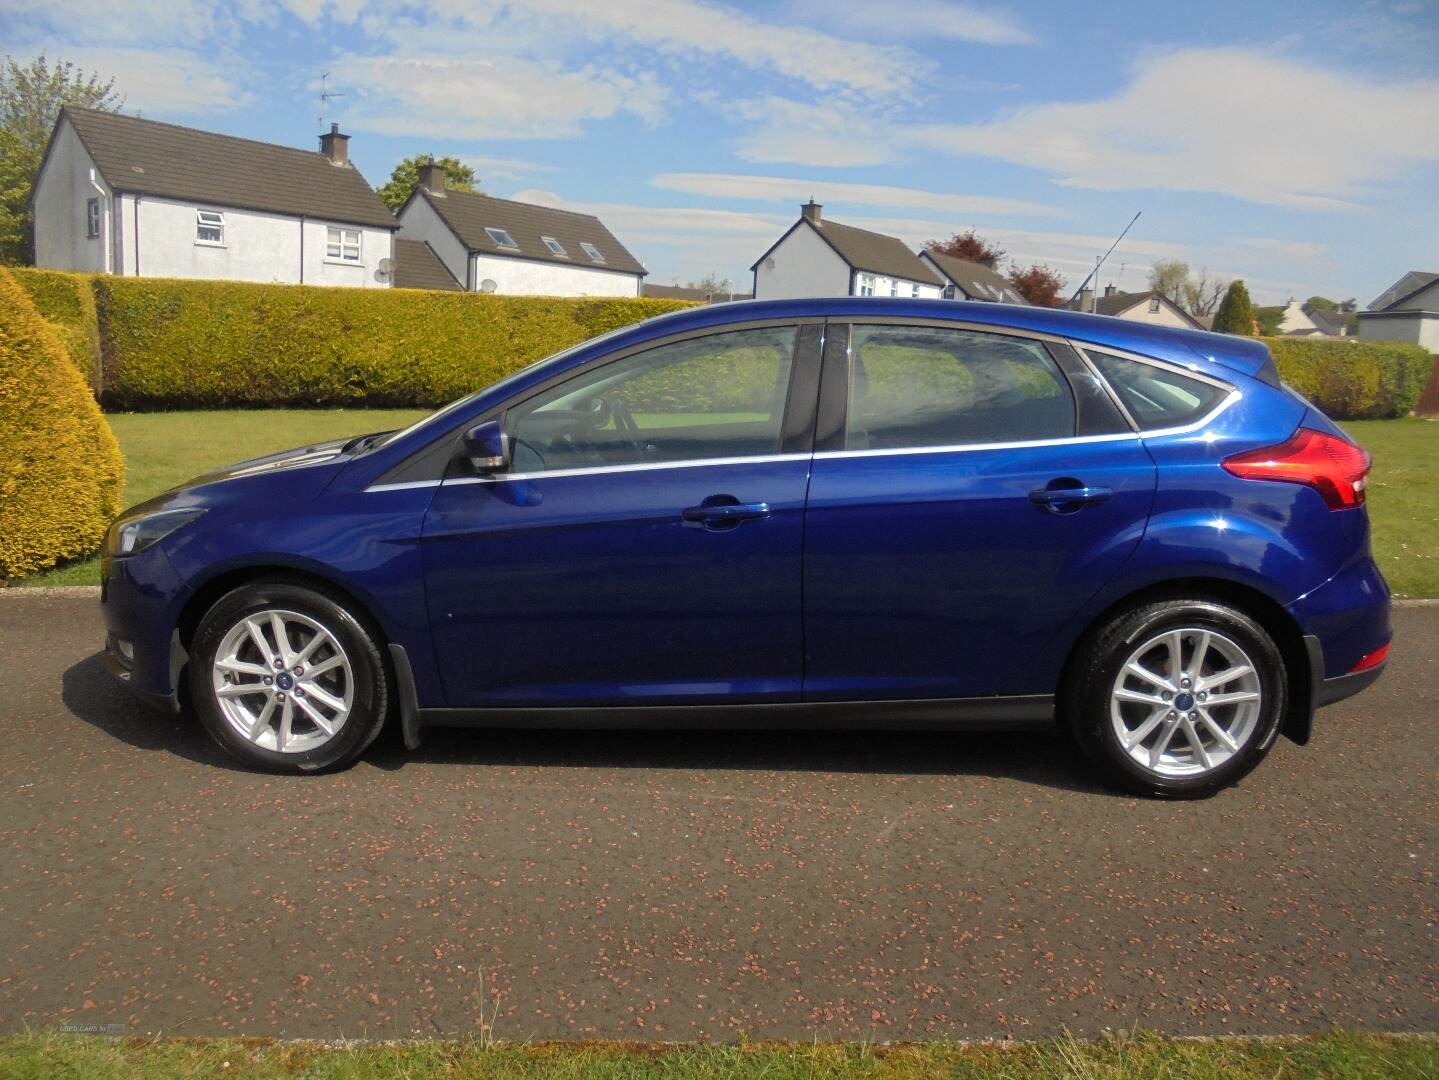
[(1332, 466), (1372, 660)]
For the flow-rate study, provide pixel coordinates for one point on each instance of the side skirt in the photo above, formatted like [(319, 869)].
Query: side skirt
[(1034, 712)]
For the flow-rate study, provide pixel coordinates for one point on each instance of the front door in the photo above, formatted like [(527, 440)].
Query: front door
[(644, 547), (957, 516)]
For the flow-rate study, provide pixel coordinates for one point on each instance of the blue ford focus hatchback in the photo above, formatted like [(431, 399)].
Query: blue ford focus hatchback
[(808, 513)]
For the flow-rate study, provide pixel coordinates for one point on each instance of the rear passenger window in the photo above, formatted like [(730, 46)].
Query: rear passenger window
[(918, 386), (1157, 397)]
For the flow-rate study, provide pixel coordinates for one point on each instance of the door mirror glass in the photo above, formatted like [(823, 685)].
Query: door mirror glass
[(488, 447)]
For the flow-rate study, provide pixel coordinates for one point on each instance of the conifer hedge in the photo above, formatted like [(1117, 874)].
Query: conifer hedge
[(1353, 380), (60, 467)]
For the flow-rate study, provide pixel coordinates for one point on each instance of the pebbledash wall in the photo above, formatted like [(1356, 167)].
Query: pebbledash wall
[(158, 240), (534, 278), (148, 236)]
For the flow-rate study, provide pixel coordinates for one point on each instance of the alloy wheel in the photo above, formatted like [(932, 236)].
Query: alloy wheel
[(282, 681), (1185, 702)]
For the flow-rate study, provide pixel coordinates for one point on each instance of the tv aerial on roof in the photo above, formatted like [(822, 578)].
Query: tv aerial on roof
[(326, 96)]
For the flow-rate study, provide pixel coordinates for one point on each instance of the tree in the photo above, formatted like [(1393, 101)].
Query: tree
[(1038, 284), (1168, 277), (1236, 313), (31, 96), (1200, 294), (1320, 303), (406, 176), (712, 285), (970, 247), (1269, 319)]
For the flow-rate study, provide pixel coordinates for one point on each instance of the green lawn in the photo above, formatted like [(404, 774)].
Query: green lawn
[(165, 449), (1332, 1056)]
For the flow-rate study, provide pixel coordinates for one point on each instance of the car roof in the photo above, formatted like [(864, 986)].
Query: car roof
[(1181, 346)]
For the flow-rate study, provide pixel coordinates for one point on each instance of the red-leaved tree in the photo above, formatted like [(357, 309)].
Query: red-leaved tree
[(1038, 284), (970, 247)]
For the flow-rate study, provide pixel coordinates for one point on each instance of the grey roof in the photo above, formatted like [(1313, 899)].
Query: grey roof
[(684, 292), (1329, 322), (1413, 282), (418, 267), (872, 252), (1120, 302), (975, 280), (147, 157), (469, 213)]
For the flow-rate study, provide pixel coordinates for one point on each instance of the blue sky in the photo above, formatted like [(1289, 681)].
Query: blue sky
[(1291, 144)]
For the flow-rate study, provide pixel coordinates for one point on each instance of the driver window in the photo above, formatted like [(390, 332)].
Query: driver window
[(718, 396)]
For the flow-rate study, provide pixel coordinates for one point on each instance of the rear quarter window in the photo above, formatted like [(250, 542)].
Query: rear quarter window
[(1157, 397)]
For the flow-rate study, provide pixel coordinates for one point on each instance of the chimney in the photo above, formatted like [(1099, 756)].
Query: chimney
[(1086, 299), (432, 177), (1110, 290), (335, 146), (810, 211)]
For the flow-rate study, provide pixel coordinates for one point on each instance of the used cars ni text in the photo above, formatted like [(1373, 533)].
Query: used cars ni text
[(810, 513)]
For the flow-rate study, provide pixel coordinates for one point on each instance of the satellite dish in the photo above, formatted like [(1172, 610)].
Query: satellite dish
[(769, 263), (386, 265), (488, 285)]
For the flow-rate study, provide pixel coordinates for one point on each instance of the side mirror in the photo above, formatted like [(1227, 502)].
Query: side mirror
[(488, 447)]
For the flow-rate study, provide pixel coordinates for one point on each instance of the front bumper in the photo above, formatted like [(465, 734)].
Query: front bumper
[(140, 597)]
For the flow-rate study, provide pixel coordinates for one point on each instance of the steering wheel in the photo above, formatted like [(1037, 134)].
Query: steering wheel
[(603, 409)]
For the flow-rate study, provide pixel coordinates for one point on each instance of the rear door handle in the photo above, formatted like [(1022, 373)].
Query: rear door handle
[(724, 514), (1065, 499)]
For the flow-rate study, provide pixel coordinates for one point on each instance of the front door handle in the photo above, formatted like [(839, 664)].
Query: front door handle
[(1066, 500), (724, 512)]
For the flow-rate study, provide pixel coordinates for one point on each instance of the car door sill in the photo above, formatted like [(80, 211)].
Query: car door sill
[(1008, 713)]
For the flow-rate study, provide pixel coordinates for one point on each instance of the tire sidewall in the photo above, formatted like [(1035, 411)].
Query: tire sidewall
[(1108, 655), (367, 710)]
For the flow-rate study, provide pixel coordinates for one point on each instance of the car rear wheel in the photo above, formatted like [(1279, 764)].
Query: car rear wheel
[(1177, 699), (286, 678)]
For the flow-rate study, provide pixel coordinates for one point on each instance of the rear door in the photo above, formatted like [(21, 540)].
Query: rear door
[(971, 490)]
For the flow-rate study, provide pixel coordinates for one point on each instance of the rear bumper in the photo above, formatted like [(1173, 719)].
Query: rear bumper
[(1328, 691)]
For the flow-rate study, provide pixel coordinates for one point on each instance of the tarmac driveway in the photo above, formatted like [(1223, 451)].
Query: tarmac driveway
[(679, 885)]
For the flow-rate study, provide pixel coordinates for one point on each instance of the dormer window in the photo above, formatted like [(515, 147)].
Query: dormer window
[(501, 238), (556, 248), (592, 251), (210, 227)]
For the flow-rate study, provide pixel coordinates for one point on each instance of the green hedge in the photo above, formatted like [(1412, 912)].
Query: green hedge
[(214, 344), (67, 302), (1354, 380), (60, 467)]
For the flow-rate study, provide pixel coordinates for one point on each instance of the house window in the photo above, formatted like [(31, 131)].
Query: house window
[(592, 251), (914, 291), (209, 227), (949, 293), (1154, 305), (501, 238), (865, 286), (92, 219), (556, 248), (893, 287), (342, 244)]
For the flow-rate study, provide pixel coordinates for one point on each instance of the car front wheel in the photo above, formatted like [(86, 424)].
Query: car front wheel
[(1177, 699), (285, 678)]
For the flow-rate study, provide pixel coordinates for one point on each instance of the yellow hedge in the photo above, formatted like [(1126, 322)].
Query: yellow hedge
[(215, 344), (67, 302), (1353, 380), (60, 466)]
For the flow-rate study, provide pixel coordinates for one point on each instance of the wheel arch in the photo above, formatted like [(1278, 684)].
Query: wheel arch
[(1264, 609)]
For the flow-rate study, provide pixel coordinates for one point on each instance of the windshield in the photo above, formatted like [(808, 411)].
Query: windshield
[(459, 403)]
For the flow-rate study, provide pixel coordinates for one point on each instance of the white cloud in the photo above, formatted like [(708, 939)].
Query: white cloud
[(486, 96), (1292, 249), (1232, 121), (921, 19), (833, 134), (176, 82), (489, 169), (783, 189), (106, 22)]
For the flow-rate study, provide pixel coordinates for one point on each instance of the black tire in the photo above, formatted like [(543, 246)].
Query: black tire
[(361, 645), (1095, 668)]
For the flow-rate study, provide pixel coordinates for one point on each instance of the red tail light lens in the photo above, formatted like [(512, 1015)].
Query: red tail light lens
[(1373, 660), (1332, 466)]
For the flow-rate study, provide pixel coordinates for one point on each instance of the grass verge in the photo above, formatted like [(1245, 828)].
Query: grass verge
[(165, 449), (1335, 1055)]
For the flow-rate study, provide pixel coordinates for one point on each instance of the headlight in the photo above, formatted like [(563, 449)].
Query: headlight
[(131, 535)]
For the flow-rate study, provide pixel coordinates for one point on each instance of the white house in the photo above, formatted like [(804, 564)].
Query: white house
[(965, 280), (1406, 311), (502, 246), (122, 195), (815, 257), (1300, 320), (1147, 307)]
